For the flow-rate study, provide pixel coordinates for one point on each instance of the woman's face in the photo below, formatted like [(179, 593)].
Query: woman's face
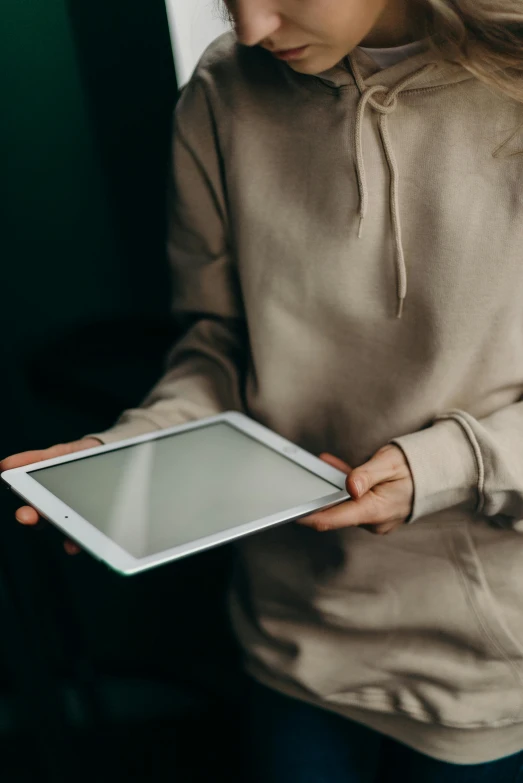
[(322, 31)]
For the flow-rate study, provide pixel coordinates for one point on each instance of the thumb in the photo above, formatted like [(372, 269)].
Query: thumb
[(382, 467)]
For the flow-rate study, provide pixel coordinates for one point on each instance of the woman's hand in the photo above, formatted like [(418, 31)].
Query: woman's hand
[(27, 515), (382, 494)]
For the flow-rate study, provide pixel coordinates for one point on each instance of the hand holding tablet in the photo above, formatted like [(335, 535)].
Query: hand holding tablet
[(148, 500), (27, 515)]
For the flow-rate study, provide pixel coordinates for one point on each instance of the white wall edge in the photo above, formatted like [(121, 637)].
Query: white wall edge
[(193, 24)]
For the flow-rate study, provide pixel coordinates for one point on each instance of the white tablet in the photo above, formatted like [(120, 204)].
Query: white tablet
[(148, 500)]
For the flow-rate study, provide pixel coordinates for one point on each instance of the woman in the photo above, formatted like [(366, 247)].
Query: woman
[(347, 227)]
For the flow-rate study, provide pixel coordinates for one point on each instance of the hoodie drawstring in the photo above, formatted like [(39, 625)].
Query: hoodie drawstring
[(384, 108)]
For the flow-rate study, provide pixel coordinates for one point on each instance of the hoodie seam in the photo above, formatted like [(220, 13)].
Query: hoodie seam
[(262, 674), (403, 93), (432, 88), (379, 699), (315, 85)]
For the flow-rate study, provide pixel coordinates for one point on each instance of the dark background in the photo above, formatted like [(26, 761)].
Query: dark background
[(101, 677)]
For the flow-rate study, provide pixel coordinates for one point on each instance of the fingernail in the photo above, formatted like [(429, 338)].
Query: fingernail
[(359, 486)]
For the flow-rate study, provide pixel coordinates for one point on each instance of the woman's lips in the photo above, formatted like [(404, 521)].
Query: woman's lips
[(290, 54)]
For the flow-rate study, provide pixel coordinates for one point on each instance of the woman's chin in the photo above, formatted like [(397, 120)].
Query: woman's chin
[(314, 65)]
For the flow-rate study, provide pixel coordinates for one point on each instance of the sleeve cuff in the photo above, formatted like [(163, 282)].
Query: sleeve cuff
[(443, 466)]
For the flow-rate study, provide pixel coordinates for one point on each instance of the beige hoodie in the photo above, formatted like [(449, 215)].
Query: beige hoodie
[(296, 321)]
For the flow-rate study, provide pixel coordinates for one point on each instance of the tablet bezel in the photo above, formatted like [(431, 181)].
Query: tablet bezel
[(105, 549)]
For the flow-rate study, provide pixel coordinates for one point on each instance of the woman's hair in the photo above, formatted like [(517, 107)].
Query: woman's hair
[(485, 36)]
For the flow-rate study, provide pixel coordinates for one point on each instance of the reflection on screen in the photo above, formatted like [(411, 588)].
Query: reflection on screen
[(164, 493)]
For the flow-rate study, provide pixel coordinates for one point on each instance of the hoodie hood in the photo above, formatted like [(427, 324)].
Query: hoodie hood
[(443, 74)]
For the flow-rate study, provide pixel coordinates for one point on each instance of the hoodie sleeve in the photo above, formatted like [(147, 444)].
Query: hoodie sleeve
[(475, 464), (204, 369)]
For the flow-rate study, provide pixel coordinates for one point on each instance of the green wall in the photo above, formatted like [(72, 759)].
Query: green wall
[(60, 261), (87, 91)]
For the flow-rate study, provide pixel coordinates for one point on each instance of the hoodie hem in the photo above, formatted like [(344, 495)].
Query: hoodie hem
[(451, 745)]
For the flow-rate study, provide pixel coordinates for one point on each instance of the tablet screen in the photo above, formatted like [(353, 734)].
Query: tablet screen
[(153, 496)]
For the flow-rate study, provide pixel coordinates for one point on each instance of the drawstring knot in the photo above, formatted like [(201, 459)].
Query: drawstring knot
[(384, 107), (388, 106)]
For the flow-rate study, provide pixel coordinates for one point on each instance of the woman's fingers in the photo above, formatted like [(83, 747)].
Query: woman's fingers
[(60, 450), (71, 548), (27, 516), (388, 464), (336, 462), (351, 513), (26, 458)]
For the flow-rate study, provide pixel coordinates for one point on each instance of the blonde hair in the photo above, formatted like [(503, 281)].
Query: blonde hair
[(484, 36)]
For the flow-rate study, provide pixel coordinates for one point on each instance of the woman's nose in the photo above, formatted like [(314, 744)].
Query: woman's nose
[(255, 20)]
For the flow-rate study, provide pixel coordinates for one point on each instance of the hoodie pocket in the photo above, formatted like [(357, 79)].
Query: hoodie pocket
[(451, 657), (406, 623), (499, 640)]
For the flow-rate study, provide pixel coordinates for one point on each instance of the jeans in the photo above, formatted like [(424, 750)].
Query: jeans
[(293, 742)]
